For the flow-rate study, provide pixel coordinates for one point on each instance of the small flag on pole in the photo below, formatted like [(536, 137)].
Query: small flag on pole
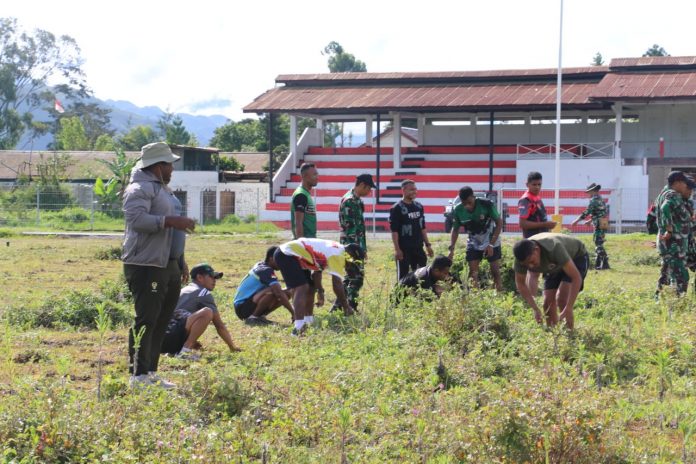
[(58, 107)]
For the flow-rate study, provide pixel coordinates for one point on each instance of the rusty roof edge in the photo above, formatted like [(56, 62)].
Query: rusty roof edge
[(524, 75)]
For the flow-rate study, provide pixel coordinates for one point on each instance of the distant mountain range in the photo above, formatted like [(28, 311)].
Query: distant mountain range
[(125, 115)]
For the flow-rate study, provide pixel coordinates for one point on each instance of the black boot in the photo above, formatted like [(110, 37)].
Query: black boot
[(598, 263), (605, 262)]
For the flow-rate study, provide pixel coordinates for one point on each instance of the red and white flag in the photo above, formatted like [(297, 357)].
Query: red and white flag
[(58, 107)]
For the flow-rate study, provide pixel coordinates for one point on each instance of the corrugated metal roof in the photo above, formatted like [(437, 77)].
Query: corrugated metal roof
[(646, 86), (653, 61), (641, 78), (464, 76), (420, 98)]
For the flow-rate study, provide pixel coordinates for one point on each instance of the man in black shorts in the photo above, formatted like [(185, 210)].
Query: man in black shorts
[(564, 261), (314, 254), (480, 219), (407, 225), (195, 310), (260, 293)]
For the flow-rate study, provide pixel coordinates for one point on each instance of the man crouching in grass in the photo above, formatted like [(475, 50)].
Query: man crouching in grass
[(435, 277), (260, 293), (564, 261), (195, 310)]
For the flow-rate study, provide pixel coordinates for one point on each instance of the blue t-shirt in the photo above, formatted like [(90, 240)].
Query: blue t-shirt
[(261, 276)]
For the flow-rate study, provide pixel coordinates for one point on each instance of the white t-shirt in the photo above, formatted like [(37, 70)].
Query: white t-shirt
[(317, 254)]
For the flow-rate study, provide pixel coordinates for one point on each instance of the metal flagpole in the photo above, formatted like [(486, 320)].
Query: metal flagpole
[(558, 116)]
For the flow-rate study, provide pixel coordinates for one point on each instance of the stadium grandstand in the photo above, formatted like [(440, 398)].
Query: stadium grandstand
[(623, 126)]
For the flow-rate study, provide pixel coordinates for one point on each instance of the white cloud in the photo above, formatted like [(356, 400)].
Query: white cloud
[(178, 54)]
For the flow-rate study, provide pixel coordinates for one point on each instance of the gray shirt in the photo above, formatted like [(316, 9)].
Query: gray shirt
[(194, 297), (146, 202)]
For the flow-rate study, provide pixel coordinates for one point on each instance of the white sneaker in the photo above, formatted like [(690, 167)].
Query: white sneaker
[(187, 355), (140, 381), (158, 381)]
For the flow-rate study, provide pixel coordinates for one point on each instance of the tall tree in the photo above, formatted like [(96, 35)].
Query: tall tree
[(28, 61), (597, 60), (71, 135), (340, 61), (134, 139), (656, 50), (95, 119), (172, 129)]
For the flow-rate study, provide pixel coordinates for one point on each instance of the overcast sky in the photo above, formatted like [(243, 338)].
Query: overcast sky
[(214, 57)]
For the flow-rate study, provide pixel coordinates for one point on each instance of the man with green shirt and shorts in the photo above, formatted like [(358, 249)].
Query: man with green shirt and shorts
[(303, 218), (481, 220), (564, 261)]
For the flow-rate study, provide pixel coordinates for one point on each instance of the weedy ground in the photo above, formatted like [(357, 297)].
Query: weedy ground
[(467, 378)]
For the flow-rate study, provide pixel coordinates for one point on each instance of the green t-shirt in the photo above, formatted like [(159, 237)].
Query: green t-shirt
[(479, 223), (556, 250), (302, 201)]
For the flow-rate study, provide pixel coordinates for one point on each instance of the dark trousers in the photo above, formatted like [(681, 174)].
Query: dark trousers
[(155, 293), (413, 259), (353, 282)]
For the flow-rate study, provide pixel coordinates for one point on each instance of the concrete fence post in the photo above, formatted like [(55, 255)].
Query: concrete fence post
[(38, 205)]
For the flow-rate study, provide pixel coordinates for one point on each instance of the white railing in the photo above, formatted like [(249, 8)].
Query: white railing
[(311, 137), (603, 150)]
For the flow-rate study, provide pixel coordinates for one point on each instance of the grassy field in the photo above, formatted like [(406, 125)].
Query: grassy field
[(467, 378)]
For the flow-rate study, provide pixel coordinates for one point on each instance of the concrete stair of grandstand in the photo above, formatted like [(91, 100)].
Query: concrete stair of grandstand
[(439, 173)]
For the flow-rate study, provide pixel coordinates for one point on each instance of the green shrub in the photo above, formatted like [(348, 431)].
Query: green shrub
[(73, 215), (651, 259), (109, 253), (77, 308), (231, 219)]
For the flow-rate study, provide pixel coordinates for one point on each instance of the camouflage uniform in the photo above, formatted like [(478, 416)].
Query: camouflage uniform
[(673, 211), (597, 209), (352, 222), (664, 275)]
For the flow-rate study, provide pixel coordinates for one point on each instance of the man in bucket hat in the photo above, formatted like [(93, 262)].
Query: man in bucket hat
[(153, 276), (597, 213)]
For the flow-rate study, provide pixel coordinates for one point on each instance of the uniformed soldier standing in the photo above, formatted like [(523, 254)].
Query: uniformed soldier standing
[(351, 219), (596, 210), (674, 223)]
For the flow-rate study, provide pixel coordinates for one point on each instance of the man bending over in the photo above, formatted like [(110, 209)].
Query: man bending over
[(564, 261)]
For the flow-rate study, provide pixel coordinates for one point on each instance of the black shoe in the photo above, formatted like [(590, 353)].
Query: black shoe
[(253, 320)]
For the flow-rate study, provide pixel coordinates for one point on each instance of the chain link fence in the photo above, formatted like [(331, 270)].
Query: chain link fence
[(77, 206)]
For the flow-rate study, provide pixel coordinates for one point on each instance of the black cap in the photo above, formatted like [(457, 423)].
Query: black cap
[(592, 187), (204, 268), (366, 179), (679, 176)]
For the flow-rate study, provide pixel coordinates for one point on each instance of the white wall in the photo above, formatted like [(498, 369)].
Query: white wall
[(579, 173)]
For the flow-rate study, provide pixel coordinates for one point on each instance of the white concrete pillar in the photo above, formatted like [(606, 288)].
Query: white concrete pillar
[(293, 139), (618, 113), (618, 216), (421, 130), (217, 203), (320, 126), (396, 132), (368, 131)]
